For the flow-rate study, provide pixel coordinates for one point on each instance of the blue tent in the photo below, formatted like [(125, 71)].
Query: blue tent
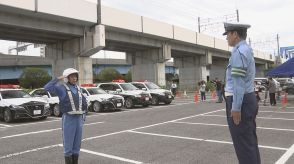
[(284, 70)]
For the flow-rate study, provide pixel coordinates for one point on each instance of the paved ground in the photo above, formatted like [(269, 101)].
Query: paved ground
[(180, 133)]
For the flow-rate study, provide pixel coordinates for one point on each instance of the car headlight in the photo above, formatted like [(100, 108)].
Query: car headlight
[(16, 106), (47, 105), (137, 95), (103, 99), (162, 94)]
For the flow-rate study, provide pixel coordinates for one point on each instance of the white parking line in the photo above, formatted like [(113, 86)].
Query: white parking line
[(92, 115), (275, 112), (259, 127), (5, 125), (42, 131), (286, 155), (200, 139), (111, 156), (33, 123), (95, 137), (28, 151), (266, 118)]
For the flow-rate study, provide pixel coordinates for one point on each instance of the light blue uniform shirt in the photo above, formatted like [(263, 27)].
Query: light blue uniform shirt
[(240, 73)]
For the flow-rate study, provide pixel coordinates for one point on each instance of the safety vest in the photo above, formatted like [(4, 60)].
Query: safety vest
[(73, 107)]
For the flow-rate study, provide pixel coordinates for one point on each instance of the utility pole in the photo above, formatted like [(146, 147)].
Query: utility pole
[(237, 12), (199, 24), (278, 44), (249, 41)]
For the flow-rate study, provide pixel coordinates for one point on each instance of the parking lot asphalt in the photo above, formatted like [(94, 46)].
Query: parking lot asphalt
[(180, 133)]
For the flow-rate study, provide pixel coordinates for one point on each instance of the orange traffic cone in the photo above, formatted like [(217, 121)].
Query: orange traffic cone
[(196, 97), (284, 100), (213, 95)]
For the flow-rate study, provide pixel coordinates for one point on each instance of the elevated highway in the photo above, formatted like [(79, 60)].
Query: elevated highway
[(72, 35)]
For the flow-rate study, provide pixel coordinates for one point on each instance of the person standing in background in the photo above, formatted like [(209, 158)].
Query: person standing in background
[(218, 86), (174, 88), (272, 91), (202, 90)]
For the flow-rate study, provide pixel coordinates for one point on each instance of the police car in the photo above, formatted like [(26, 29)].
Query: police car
[(132, 95), (158, 94), (100, 100), (52, 99), (17, 104)]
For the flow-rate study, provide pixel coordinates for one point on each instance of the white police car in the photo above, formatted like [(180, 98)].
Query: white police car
[(158, 94), (51, 98), (17, 104), (132, 95), (99, 100)]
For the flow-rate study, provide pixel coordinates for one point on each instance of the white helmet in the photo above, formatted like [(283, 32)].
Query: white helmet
[(69, 71)]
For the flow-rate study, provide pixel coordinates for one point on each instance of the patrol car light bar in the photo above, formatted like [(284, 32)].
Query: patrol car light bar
[(119, 81), (9, 86), (89, 85)]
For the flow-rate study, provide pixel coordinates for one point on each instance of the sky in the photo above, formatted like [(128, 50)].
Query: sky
[(268, 18)]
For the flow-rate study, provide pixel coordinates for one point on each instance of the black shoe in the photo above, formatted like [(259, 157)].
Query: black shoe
[(68, 159), (75, 159)]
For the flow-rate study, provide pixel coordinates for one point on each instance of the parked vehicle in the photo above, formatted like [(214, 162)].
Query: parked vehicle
[(158, 95), (285, 81), (264, 83), (99, 100), (17, 104), (132, 95), (51, 98)]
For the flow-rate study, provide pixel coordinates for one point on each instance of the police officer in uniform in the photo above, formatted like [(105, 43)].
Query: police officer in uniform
[(241, 103), (72, 104)]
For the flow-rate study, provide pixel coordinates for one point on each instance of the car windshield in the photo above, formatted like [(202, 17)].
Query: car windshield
[(96, 91), (10, 94), (128, 87), (152, 86)]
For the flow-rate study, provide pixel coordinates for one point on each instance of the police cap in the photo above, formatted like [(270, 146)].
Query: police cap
[(235, 27)]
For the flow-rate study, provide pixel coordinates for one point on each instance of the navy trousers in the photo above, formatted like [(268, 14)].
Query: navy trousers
[(244, 135), (72, 127)]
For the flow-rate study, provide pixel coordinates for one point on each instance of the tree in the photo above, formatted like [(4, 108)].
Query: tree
[(109, 74), (128, 76), (33, 77)]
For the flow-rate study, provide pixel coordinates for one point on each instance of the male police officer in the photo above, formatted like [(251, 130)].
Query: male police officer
[(241, 104), (72, 104)]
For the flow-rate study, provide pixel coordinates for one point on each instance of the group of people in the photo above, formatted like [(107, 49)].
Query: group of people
[(219, 86), (241, 102), (270, 89)]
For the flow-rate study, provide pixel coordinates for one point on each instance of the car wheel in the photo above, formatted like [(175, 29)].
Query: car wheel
[(154, 100), (7, 116), (43, 118), (56, 111), (168, 102), (129, 103), (97, 106)]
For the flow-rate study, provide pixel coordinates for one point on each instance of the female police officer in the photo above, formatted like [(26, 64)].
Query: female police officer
[(73, 105), (241, 103)]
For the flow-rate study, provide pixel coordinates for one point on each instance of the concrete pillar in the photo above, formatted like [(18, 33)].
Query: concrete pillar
[(150, 64), (193, 69), (190, 71), (76, 53), (218, 69), (260, 69), (67, 54)]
